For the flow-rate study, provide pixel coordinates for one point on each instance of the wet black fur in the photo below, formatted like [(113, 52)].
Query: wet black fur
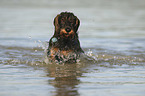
[(64, 43)]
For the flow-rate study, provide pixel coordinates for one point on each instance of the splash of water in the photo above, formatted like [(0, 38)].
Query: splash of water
[(37, 56)]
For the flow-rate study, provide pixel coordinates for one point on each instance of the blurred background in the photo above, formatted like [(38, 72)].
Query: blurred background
[(112, 34), (99, 19)]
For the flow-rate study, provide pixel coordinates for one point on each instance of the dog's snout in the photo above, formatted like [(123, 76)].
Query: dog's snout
[(67, 29)]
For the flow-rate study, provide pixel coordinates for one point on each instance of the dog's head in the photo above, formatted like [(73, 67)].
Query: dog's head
[(66, 24)]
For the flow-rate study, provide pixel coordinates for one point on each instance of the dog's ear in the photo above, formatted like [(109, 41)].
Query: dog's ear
[(56, 23), (77, 24)]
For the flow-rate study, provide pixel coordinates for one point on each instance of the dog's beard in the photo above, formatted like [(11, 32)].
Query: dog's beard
[(65, 34)]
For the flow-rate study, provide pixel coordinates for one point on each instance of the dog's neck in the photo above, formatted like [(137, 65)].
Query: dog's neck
[(65, 43)]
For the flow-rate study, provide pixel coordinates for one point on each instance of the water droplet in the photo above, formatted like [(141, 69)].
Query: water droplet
[(39, 41), (54, 39), (30, 37)]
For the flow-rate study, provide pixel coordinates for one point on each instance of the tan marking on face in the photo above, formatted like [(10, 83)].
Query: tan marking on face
[(67, 34)]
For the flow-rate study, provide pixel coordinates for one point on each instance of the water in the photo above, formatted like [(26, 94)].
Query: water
[(111, 34)]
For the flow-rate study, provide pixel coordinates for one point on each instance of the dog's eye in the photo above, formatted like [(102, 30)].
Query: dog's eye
[(62, 19), (71, 20)]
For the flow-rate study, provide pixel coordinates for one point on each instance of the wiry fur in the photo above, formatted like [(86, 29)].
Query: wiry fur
[(64, 45)]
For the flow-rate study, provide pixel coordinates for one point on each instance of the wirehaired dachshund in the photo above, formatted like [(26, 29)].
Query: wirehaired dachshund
[(64, 45)]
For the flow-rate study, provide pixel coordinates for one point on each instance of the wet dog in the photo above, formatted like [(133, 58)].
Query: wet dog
[(64, 45)]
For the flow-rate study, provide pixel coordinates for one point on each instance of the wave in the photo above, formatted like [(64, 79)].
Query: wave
[(37, 57)]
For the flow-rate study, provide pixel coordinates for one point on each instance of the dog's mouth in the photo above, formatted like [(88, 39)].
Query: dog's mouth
[(66, 33)]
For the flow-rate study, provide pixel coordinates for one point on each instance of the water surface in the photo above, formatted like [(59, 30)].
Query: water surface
[(111, 34)]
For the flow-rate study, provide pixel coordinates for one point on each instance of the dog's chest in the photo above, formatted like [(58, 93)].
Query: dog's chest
[(62, 55), (57, 51), (64, 45), (62, 50)]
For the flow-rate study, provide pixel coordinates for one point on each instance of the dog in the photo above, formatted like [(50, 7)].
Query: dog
[(64, 45)]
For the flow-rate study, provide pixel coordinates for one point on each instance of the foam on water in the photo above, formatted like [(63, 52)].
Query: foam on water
[(37, 56)]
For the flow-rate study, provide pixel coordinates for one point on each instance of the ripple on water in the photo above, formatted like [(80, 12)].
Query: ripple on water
[(37, 56)]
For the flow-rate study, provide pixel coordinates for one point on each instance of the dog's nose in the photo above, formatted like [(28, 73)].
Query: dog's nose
[(67, 29)]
